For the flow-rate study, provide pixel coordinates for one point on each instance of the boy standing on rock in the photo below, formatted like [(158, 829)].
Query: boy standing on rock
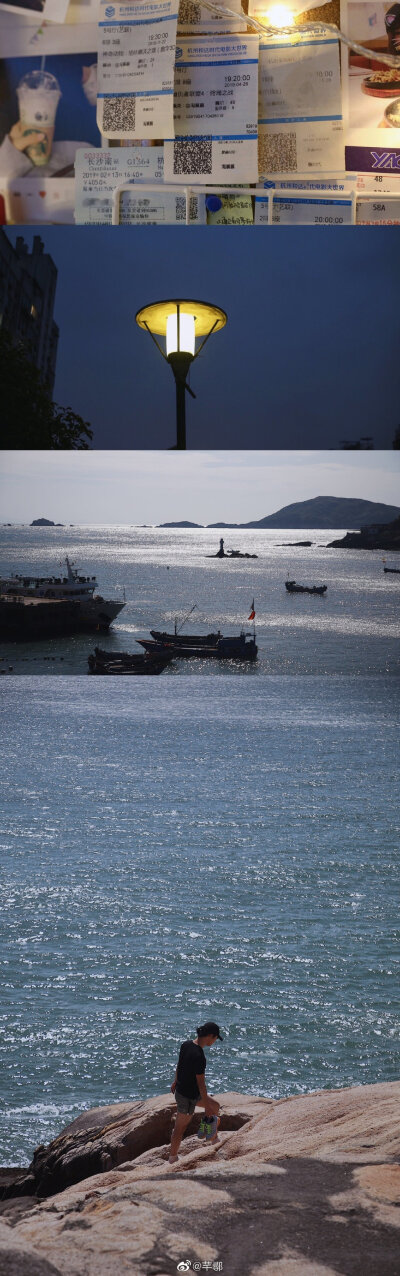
[(189, 1086)]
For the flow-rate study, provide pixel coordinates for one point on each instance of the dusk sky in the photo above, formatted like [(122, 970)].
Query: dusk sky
[(309, 356), (203, 487)]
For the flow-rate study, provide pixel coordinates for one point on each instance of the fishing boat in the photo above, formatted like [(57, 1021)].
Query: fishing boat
[(47, 606), (293, 588), (186, 640), (242, 647), (127, 663)]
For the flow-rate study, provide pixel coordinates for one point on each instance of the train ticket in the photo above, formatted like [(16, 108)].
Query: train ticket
[(99, 172)]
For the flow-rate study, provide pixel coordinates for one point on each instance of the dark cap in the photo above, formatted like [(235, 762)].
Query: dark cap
[(210, 1029)]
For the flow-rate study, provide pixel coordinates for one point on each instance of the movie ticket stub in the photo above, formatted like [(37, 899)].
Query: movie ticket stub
[(215, 111), (311, 210), (99, 172), (302, 183), (220, 160), (302, 186), (300, 113), (136, 69)]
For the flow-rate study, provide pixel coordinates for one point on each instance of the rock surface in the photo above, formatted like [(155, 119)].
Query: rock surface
[(105, 1137), (305, 1186)]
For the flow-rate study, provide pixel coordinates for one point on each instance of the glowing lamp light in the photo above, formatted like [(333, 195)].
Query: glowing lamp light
[(280, 16), (180, 334), (181, 323)]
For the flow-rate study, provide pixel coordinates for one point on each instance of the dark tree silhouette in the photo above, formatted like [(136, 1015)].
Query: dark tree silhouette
[(28, 416)]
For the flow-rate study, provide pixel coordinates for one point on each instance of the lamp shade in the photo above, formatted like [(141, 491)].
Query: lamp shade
[(180, 334), (206, 317)]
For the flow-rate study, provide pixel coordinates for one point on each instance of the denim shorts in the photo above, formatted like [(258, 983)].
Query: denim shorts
[(184, 1104)]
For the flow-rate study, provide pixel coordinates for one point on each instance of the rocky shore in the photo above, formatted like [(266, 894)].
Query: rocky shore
[(376, 536), (305, 1186)]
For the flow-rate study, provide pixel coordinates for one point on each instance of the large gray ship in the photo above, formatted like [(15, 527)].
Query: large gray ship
[(48, 606)]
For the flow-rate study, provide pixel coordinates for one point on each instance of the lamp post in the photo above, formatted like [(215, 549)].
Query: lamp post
[(182, 323)]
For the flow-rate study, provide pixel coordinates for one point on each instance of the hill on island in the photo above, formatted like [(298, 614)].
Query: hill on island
[(321, 511), (324, 511)]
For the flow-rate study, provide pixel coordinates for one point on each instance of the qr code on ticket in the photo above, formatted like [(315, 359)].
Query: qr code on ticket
[(181, 208), (277, 153), (189, 14), (193, 155), (119, 115)]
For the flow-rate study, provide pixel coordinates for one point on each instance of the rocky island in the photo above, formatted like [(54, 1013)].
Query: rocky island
[(46, 522), (303, 1186), (229, 553), (323, 511)]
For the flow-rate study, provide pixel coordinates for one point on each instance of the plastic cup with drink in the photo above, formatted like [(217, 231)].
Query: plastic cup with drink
[(38, 97)]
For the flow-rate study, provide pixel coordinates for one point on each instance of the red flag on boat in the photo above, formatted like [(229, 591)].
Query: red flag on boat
[(252, 612)]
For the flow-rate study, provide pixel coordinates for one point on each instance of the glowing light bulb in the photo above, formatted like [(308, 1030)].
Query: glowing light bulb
[(280, 16), (186, 334)]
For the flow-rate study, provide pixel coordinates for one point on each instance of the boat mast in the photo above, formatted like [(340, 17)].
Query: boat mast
[(183, 622)]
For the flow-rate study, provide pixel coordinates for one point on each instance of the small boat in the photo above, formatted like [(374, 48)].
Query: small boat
[(242, 647), (292, 588), (393, 571), (125, 662)]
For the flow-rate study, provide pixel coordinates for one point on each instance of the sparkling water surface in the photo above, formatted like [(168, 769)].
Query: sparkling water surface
[(174, 851), (353, 629)]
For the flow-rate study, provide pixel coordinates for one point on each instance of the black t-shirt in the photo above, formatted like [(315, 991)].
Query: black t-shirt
[(192, 1061)]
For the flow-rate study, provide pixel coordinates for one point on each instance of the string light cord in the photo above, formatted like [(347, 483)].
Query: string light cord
[(309, 28)]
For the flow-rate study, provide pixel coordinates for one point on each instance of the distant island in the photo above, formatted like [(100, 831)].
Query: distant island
[(46, 522), (183, 523), (319, 512)]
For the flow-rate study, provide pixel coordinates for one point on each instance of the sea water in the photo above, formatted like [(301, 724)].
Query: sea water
[(354, 628), (174, 851)]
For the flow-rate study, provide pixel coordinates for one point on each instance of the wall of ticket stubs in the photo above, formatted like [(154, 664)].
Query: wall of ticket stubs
[(151, 112)]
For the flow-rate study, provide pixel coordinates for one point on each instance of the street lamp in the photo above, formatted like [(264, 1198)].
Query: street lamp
[(182, 323)]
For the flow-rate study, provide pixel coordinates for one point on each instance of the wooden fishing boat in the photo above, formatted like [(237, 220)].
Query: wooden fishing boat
[(304, 588), (186, 640), (242, 647), (124, 662)]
